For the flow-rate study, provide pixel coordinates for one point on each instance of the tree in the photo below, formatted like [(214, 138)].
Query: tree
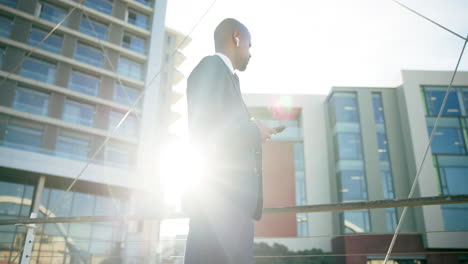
[(282, 252)]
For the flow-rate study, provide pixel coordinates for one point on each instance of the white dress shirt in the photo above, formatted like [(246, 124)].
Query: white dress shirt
[(227, 61)]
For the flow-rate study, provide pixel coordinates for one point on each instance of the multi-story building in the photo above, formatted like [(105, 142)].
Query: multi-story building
[(365, 144), (60, 101)]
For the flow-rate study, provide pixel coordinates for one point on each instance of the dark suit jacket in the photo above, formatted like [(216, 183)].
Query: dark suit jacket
[(219, 122)]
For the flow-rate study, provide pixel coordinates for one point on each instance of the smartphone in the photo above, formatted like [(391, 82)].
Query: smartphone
[(279, 129)]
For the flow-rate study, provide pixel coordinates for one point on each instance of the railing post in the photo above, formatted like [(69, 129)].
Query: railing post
[(28, 242), (29, 239)]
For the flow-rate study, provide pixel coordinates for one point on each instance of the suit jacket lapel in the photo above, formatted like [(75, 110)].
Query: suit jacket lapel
[(235, 84)]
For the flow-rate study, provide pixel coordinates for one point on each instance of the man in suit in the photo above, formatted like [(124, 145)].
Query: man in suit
[(229, 197)]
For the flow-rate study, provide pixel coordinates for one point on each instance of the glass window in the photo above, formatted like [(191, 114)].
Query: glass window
[(130, 68), (51, 12), (435, 97), (356, 221), (83, 204), (387, 184), (382, 145), (127, 128), (353, 186), (2, 54), (5, 26), (15, 202), (349, 146), (391, 219), (53, 43), (73, 147), (104, 6), (9, 3), (31, 101), (454, 180), (126, 95), (38, 70), (23, 136), (89, 54), (302, 225), (93, 28), (133, 42), (84, 83), (447, 140), (378, 108), (117, 154), (137, 19), (146, 2), (455, 216), (465, 100), (78, 113), (343, 107)]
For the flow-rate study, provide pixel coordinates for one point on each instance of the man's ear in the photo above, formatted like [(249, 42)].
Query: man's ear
[(236, 39)]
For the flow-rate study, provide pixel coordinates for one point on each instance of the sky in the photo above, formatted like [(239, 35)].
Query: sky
[(308, 46)]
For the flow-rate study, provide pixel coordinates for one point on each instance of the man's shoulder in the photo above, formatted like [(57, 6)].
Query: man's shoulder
[(208, 62)]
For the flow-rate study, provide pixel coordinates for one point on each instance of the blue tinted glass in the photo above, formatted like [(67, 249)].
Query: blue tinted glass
[(382, 146), (391, 219), (22, 137), (349, 146), (38, 70), (387, 184), (434, 101), (106, 206), (78, 113), (53, 13), (117, 155), (83, 204), (447, 140), (455, 216), (15, 202), (128, 126), (31, 101), (378, 108), (130, 68), (2, 53), (454, 180), (145, 2), (465, 102), (71, 147), (356, 221), (93, 28), (302, 225), (103, 6), (353, 186), (126, 95), (19, 197), (88, 54), (84, 83), (5, 27), (133, 43), (344, 107), (53, 43), (137, 19), (10, 3)]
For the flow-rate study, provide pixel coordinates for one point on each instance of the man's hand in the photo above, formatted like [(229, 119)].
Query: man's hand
[(264, 130)]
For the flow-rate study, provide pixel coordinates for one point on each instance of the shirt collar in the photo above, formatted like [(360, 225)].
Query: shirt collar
[(227, 61)]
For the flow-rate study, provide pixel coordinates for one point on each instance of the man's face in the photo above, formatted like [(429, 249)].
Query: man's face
[(243, 51)]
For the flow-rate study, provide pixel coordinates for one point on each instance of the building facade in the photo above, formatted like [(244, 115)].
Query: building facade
[(365, 144), (60, 101)]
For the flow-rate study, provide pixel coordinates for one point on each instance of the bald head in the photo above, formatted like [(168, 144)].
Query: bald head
[(225, 31), (232, 38)]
